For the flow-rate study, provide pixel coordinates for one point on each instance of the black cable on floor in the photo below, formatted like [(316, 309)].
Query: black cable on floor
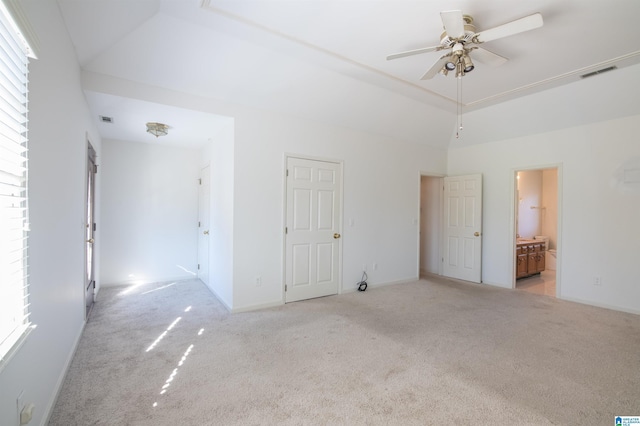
[(362, 285)]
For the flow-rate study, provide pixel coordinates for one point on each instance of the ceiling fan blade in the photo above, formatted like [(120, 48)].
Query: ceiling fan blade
[(487, 57), (413, 52), (510, 28), (453, 23), (435, 68)]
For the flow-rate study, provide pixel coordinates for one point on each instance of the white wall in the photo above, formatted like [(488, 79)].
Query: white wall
[(58, 124), (219, 155), (149, 212), (599, 226), (381, 198), (550, 201), (381, 192)]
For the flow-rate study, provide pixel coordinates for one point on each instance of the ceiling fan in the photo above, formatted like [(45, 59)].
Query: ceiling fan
[(461, 37)]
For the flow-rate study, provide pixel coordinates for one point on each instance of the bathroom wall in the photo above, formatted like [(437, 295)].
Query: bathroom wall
[(529, 203)]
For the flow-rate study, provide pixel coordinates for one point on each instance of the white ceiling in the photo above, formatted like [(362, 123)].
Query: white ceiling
[(313, 57), (188, 128)]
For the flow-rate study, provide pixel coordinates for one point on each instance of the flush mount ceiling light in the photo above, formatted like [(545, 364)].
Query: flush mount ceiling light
[(157, 129)]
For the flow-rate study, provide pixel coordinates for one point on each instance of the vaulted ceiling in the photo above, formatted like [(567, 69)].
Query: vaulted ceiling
[(326, 59)]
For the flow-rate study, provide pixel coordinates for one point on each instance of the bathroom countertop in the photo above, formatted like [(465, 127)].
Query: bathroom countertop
[(527, 241)]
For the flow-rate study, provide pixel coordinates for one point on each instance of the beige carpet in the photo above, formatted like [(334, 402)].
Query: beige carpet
[(430, 352)]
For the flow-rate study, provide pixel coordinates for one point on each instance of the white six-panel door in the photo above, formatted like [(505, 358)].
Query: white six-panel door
[(312, 233), (463, 227)]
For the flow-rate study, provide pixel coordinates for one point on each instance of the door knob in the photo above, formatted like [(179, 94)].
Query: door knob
[(90, 240), (336, 236), (206, 232), (476, 234)]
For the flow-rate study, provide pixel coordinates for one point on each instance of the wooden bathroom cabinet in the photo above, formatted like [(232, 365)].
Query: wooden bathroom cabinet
[(530, 258)]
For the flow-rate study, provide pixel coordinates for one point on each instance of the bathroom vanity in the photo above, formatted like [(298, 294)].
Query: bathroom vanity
[(530, 257)]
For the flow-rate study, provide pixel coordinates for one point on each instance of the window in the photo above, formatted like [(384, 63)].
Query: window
[(14, 287)]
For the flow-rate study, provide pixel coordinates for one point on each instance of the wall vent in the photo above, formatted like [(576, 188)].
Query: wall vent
[(603, 70), (106, 119)]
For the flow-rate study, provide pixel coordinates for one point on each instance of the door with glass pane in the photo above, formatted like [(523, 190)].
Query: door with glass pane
[(90, 283)]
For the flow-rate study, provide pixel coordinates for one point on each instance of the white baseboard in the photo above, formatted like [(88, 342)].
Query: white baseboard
[(149, 281), (63, 373), (244, 308), (495, 284), (220, 299), (376, 285), (256, 307), (601, 305)]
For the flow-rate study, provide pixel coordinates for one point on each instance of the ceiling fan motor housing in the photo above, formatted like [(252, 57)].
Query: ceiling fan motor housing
[(469, 33)]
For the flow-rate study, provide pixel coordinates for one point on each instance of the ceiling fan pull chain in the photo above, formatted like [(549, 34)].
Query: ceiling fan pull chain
[(459, 106)]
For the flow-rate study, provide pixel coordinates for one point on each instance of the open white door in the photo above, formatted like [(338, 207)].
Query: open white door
[(203, 225), (463, 227), (312, 234)]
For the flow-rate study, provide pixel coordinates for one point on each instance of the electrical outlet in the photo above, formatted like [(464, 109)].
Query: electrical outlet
[(20, 404), (258, 281), (597, 281), (27, 413)]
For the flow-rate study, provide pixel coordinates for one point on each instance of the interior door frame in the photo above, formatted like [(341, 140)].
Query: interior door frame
[(201, 229), (285, 160), (512, 221), (89, 228), (440, 222)]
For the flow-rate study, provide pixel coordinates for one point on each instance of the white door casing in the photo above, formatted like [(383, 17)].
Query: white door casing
[(90, 225), (313, 227), (203, 225), (463, 227)]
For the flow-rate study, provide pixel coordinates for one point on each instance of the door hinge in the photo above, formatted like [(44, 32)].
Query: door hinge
[(199, 181), (286, 230), (285, 287), (199, 225), (95, 168), (198, 266), (287, 172), (94, 227)]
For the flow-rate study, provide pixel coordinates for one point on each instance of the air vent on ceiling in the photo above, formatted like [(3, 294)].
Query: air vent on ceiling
[(106, 119), (603, 70)]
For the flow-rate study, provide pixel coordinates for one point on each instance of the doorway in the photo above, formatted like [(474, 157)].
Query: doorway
[(430, 219), (204, 197), (536, 213), (451, 227), (90, 226)]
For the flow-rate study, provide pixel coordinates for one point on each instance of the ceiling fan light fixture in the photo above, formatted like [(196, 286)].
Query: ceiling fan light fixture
[(468, 64), (157, 129), (460, 35)]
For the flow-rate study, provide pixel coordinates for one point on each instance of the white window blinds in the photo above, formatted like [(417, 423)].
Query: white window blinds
[(14, 288)]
